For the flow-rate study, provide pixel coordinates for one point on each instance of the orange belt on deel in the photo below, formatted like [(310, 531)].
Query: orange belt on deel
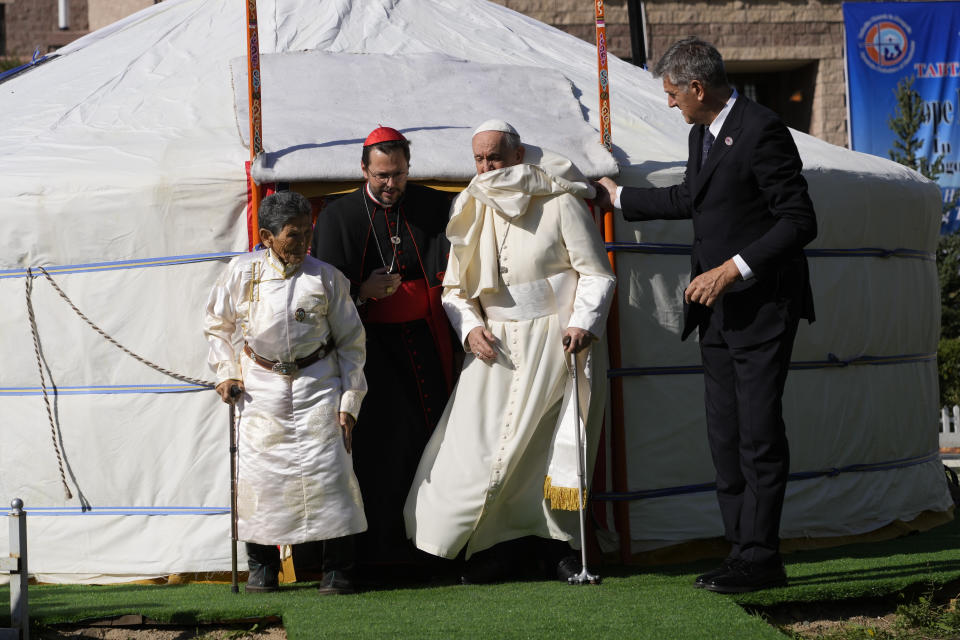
[(288, 368), (410, 302)]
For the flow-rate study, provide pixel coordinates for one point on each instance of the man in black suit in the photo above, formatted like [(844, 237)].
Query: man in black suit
[(750, 287)]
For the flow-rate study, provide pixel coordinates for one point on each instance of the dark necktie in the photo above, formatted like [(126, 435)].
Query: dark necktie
[(707, 143)]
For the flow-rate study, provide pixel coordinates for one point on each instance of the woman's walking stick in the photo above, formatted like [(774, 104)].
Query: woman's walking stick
[(234, 584)]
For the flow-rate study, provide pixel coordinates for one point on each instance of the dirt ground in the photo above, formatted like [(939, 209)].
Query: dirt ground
[(162, 633), (814, 620), (139, 628), (807, 628), (807, 621)]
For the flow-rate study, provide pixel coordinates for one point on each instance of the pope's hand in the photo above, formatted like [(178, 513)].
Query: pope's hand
[(606, 193), (225, 387), (707, 287), (482, 343), (346, 425), (575, 339), (380, 284)]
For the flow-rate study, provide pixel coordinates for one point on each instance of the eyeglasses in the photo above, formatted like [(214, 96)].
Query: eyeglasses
[(384, 178)]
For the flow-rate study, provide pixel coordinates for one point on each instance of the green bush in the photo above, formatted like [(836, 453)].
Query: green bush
[(948, 270), (9, 63), (948, 365), (948, 351)]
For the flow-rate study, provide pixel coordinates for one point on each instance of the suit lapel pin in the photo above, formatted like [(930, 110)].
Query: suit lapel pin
[(728, 141)]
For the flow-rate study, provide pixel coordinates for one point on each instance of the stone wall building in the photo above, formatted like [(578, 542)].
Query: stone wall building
[(786, 54), (29, 25)]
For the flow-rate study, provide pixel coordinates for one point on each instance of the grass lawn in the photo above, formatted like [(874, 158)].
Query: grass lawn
[(633, 602)]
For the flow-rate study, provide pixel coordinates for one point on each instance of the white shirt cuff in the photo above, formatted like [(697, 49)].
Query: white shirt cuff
[(228, 370), (616, 203), (350, 401), (745, 272)]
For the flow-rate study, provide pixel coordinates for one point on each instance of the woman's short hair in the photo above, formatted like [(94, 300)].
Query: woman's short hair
[(278, 209)]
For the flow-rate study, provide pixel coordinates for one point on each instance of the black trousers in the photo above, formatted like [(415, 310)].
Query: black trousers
[(338, 554), (743, 391)]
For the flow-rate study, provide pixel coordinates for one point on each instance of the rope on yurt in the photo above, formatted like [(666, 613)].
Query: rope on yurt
[(860, 467), (43, 384), (108, 338), (137, 263), (832, 362), (668, 248)]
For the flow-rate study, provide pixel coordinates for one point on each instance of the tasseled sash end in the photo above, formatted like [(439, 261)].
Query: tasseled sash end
[(564, 498)]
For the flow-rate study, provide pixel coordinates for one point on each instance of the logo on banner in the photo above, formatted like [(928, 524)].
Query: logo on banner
[(885, 43)]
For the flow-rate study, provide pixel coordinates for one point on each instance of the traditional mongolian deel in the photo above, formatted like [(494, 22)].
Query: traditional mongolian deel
[(409, 345), (526, 262), (295, 479)]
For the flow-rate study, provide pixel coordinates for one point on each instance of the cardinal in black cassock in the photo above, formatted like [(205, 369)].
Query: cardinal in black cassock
[(388, 238)]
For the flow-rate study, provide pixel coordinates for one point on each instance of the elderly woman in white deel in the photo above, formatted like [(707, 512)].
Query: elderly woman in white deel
[(282, 327)]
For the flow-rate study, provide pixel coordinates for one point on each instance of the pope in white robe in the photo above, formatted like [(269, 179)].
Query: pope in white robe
[(527, 267)]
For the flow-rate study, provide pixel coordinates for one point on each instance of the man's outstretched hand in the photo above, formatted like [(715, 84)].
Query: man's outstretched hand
[(606, 193)]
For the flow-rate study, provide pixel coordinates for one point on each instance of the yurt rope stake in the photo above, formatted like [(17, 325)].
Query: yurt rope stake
[(36, 348), (43, 384)]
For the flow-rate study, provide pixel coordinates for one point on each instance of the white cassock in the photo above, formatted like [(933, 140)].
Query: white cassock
[(295, 480), (526, 262)]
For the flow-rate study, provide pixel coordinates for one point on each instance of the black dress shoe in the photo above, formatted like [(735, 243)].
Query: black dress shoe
[(487, 568), (746, 576), (263, 578), (264, 564), (569, 567), (704, 578), (336, 583)]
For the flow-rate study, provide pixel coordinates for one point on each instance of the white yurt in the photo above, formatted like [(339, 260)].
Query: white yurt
[(123, 189)]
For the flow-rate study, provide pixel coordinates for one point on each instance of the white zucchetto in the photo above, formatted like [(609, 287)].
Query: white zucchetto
[(496, 125)]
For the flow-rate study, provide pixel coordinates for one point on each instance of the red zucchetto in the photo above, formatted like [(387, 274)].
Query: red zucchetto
[(383, 134)]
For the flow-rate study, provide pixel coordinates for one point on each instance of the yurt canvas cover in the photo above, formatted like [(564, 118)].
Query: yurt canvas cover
[(122, 174)]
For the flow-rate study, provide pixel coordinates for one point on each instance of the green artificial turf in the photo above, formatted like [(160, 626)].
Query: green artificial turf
[(632, 602), (645, 605)]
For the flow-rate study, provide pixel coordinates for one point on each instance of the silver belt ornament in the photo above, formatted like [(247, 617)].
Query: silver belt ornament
[(285, 368)]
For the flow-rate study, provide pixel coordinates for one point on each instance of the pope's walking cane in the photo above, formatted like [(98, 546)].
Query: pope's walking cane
[(234, 394), (584, 577)]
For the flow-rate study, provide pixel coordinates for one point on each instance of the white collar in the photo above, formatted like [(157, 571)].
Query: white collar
[(717, 123), (366, 185), (285, 270)]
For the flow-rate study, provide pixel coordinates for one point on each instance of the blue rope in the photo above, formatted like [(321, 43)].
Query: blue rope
[(634, 247), (832, 472), (105, 389), (35, 61), (126, 511), (125, 264), (608, 496), (831, 362), (665, 248)]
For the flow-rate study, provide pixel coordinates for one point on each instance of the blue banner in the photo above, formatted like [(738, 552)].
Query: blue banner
[(889, 41)]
